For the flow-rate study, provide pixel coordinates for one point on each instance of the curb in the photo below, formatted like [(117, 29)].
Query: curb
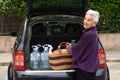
[(5, 64), (113, 60)]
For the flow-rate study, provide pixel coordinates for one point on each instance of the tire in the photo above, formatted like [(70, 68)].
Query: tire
[(10, 75)]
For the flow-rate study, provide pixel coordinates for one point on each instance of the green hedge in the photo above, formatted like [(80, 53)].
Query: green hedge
[(109, 12)]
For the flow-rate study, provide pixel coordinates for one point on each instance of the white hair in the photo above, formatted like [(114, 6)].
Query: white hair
[(95, 15)]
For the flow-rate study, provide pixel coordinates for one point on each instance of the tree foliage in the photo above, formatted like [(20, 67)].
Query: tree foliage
[(10, 7), (109, 11), (109, 14)]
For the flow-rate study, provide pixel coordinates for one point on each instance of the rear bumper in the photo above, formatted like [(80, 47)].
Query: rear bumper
[(101, 74), (44, 75), (53, 75), (100, 77)]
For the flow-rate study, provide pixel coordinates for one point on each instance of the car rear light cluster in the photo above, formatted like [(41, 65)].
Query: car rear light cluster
[(102, 59), (18, 61)]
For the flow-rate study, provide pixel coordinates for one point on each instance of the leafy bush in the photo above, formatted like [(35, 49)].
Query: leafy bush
[(109, 11), (109, 14)]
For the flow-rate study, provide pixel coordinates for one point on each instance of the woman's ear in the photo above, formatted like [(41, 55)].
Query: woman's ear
[(95, 23)]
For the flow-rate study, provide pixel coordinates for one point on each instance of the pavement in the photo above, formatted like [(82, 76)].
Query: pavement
[(111, 55)]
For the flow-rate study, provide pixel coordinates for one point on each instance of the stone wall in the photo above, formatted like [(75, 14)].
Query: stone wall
[(109, 41), (6, 43)]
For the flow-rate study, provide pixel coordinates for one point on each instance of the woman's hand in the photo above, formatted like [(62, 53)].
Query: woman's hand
[(67, 45)]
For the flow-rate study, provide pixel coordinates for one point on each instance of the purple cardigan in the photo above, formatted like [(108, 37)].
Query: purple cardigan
[(85, 51)]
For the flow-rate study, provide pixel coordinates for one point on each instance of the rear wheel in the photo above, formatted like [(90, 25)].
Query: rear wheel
[(10, 76)]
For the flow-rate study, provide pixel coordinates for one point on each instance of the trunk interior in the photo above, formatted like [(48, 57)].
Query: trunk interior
[(52, 33)]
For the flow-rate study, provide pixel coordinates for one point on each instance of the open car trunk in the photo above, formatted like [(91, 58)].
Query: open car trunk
[(44, 33)]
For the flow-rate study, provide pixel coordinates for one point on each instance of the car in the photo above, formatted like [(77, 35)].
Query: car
[(50, 22)]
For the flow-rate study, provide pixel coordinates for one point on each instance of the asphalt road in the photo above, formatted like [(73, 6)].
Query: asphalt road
[(114, 68)]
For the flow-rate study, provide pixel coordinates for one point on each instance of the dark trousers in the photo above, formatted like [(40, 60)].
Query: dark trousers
[(83, 75)]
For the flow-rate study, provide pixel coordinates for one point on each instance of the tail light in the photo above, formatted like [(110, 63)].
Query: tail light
[(102, 59), (18, 61)]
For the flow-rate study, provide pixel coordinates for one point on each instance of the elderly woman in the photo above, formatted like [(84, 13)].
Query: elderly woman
[(84, 52)]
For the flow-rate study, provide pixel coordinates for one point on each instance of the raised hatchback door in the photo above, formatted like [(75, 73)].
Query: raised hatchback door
[(68, 7)]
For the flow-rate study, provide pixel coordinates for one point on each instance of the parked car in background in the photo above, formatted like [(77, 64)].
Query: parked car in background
[(50, 22)]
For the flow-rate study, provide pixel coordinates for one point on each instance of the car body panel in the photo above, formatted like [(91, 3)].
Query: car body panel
[(53, 75)]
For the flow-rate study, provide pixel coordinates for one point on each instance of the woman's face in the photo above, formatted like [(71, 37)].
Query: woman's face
[(88, 21)]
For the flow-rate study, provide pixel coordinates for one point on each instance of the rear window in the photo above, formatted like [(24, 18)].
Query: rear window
[(57, 3)]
